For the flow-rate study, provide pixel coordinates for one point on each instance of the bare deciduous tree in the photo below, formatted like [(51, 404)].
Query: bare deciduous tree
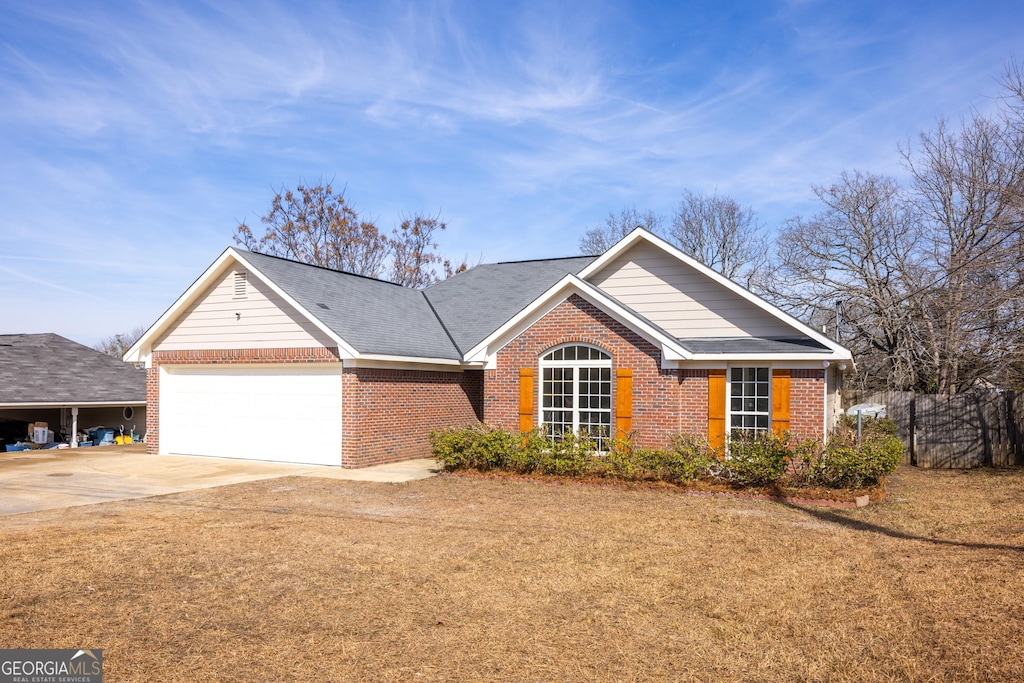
[(601, 238), (966, 184), (721, 234), (117, 344), (415, 253), (315, 225), (857, 252), (931, 276)]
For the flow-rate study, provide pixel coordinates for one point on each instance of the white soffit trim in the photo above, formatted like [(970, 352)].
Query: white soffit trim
[(561, 290), (140, 351), (814, 359), (705, 361), (639, 234), (404, 363)]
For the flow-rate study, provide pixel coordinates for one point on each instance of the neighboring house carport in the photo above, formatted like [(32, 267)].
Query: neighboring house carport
[(71, 387)]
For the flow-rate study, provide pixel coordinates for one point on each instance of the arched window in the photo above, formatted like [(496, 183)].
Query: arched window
[(576, 392)]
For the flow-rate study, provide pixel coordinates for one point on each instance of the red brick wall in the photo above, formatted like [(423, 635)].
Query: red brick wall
[(665, 402), (656, 404), (216, 357), (807, 404), (388, 414), (693, 403)]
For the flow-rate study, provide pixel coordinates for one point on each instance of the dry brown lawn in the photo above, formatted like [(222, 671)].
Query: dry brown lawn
[(466, 579)]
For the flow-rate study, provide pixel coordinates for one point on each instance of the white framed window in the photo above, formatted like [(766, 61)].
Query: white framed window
[(576, 392), (749, 400)]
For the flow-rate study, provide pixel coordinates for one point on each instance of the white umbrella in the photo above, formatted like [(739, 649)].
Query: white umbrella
[(867, 410)]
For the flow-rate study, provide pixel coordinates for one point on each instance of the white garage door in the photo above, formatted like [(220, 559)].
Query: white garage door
[(282, 414)]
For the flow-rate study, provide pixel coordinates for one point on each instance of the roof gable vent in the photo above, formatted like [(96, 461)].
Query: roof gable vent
[(241, 282)]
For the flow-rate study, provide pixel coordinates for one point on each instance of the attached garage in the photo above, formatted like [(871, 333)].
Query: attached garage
[(256, 412)]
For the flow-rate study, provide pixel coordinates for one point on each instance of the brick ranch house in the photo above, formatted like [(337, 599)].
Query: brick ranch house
[(269, 359)]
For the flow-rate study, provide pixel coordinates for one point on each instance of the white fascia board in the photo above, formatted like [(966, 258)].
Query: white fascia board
[(403, 363), (141, 351), (639, 234), (72, 404), (561, 290), (783, 361), (768, 357)]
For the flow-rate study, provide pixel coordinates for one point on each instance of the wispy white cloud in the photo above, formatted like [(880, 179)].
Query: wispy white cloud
[(143, 131)]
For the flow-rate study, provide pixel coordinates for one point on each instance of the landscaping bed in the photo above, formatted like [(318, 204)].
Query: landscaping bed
[(851, 467), (804, 495)]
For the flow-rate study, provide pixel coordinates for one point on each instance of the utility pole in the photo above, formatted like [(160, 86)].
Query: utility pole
[(839, 320)]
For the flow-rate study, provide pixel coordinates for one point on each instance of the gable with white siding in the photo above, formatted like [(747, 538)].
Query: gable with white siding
[(680, 299), (240, 311)]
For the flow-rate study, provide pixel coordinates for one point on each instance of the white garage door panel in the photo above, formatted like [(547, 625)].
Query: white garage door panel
[(257, 413)]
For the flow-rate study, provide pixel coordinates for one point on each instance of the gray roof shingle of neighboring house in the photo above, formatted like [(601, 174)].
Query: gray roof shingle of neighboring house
[(477, 302), (49, 369)]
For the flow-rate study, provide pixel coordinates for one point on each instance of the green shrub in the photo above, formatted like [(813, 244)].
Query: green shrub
[(525, 458), (847, 464), (451, 447), (627, 461), (689, 459), (757, 459), (619, 462), (493, 450), (804, 463), (762, 459), (567, 455), (475, 447)]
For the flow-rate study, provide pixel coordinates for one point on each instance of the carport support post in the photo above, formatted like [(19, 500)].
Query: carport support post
[(74, 426)]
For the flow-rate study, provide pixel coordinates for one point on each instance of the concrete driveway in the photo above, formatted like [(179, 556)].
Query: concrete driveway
[(47, 480)]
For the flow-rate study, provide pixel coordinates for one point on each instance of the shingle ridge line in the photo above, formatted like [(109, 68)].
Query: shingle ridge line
[(444, 327)]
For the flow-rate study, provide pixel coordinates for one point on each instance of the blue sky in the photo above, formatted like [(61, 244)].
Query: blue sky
[(135, 135)]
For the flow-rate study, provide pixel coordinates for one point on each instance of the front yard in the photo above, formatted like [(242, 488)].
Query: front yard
[(458, 578)]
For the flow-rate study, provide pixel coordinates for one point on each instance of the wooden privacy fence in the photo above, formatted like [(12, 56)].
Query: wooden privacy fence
[(973, 429)]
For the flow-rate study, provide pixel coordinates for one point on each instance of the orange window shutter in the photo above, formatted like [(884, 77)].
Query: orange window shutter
[(716, 408), (527, 385), (780, 400), (623, 402)]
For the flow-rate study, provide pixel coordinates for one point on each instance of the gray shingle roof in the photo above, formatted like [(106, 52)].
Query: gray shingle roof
[(47, 368), (374, 316), (734, 345), (450, 317), (477, 302)]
